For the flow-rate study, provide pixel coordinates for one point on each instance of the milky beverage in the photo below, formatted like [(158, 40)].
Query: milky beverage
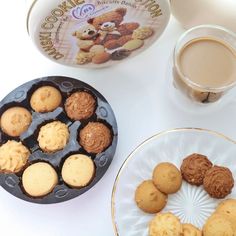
[(207, 63)]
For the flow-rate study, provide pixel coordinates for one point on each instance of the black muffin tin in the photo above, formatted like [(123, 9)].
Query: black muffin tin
[(21, 97)]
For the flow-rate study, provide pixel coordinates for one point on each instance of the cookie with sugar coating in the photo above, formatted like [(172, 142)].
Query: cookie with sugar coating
[(165, 224), (191, 230)]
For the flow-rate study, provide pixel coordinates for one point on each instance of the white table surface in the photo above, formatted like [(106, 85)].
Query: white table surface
[(135, 91)]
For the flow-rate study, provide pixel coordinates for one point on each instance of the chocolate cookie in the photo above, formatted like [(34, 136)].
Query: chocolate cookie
[(194, 168), (80, 105), (120, 54), (95, 137), (218, 182)]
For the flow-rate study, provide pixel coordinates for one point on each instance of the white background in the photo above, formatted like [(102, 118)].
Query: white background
[(139, 98)]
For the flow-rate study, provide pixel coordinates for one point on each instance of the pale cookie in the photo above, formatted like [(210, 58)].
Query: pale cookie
[(218, 225), (53, 136), (142, 33), (45, 99), (13, 157), (133, 44), (15, 121), (167, 178), (148, 198), (84, 58), (165, 224), (228, 207), (78, 170), (39, 179), (191, 230), (97, 49)]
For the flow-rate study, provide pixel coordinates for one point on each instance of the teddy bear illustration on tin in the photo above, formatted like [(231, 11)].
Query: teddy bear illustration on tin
[(107, 37), (86, 36), (113, 33)]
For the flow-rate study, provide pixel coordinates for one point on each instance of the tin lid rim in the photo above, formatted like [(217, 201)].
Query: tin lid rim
[(28, 15)]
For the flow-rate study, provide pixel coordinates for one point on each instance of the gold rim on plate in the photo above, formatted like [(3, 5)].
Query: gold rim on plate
[(137, 149)]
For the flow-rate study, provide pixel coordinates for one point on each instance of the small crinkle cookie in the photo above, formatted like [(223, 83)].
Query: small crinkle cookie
[(84, 58), (165, 224), (39, 179), (15, 121), (133, 44), (142, 33), (78, 170), (218, 181), (53, 136), (97, 49), (148, 198), (45, 99), (194, 168), (191, 230), (218, 225), (167, 178), (13, 157)]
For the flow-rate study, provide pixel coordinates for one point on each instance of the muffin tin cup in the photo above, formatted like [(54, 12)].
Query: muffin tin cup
[(21, 97)]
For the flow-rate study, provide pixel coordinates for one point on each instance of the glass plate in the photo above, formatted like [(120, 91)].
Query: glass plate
[(191, 204)]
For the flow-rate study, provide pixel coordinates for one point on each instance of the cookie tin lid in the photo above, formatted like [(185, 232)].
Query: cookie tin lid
[(95, 33)]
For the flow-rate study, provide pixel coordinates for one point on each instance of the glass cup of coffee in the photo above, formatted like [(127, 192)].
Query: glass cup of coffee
[(204, 66)]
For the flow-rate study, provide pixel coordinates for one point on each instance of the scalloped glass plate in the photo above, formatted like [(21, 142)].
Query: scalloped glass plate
[(191, 204)]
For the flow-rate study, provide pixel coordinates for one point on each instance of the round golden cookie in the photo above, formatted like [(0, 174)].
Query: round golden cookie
[(218, 225), (39, 179), (13, 157), (191, 230), (167, 178), (165, 224), (53, 136), (15, 121), (148, 198), (45, 99), (228, 207), (78, 170)]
